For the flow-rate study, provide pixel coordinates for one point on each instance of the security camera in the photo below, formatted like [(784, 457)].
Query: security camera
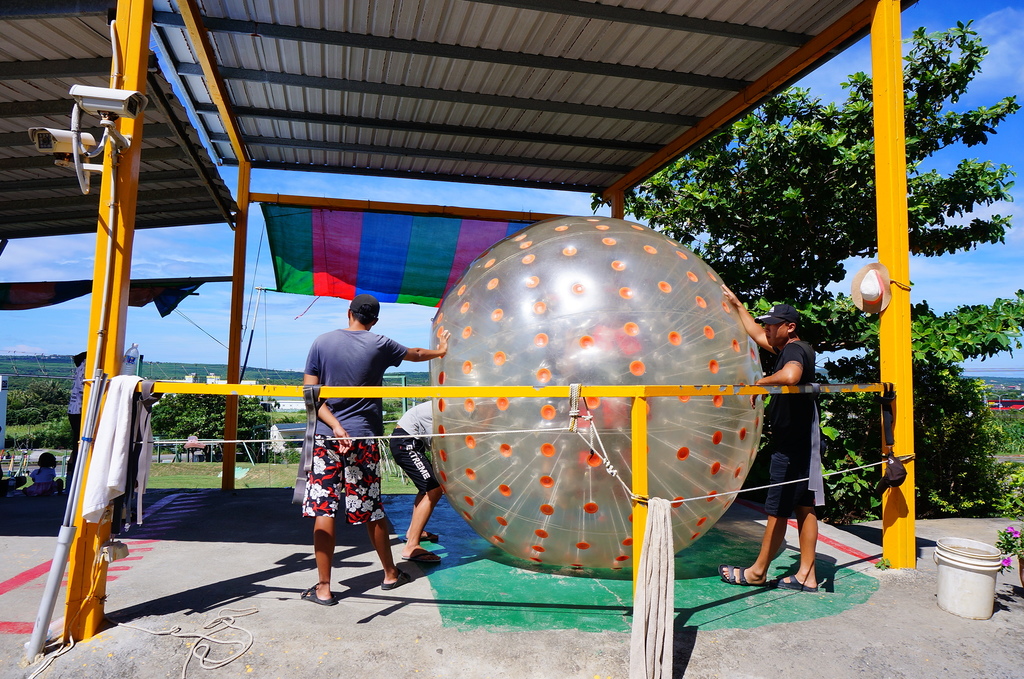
[(48, 140), (103, 101)]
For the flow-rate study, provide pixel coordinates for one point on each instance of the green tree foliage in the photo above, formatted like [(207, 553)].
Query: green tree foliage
[(780, 200), (178, 416), (794, 180), (38, 402)]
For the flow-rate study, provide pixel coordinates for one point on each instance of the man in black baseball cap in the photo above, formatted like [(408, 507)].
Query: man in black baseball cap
[(795, 445), (780, 313), (343, 477), (366, 307)]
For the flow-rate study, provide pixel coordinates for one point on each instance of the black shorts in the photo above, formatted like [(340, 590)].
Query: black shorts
[(782, 500), (410, 454)]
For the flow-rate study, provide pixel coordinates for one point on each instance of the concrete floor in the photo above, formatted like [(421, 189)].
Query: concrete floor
[(244, 557)]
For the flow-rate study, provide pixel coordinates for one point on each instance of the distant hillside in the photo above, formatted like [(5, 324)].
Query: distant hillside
[(62, 368)]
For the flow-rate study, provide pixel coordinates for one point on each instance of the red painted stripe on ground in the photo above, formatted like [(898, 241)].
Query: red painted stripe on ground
[(130, 558), (133, 549), (821, 538), (16, 628), (140, 542), (27, 576)]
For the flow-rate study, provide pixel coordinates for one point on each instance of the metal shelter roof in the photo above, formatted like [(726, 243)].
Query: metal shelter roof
[(45, 48), (564, 94)]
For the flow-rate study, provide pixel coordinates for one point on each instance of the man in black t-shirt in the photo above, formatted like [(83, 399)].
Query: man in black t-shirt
[(793, 423)]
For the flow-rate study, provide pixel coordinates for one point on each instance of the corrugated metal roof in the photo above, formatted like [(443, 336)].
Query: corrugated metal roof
[(568, 94), (43, 52)]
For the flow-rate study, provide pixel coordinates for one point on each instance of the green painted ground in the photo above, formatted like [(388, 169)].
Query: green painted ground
[(478, 586)]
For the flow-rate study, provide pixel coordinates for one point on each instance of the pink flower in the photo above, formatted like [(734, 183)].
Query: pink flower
[(1007, 562), (1013, 531)]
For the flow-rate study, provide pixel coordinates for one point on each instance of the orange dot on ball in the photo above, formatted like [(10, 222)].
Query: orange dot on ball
[(539, 308), (709, 332), (650, 249), (505, 490), (467, 367), (569, 251), (502, 403), (541, 533), (625, 293), (470, 472), (619, 266), (532, 282), (713, 366), (675, 338), (547, 450), (582, 545), (716, 438), (637, 368), (548, 412), (547, 481), (499, 358), (501, 520), (716, 467), (489, 263), (664, 286), (701, 302), (467, 331), (631, 329), (590, 508), (470, 442), (528, 259), (683, 453), (497, 314), (541, 340), (543, 375), (505, 450), (586, 341), (608, 241), (469, 500), (493, 283), (547, 510), (469, 405)]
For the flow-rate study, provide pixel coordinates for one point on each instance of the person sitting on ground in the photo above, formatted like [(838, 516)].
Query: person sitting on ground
[(795, 450), (44, 478), (409, 443)]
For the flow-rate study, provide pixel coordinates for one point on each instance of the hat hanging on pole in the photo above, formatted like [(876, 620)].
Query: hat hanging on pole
[(871, 288)]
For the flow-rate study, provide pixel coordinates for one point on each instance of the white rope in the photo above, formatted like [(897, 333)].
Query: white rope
[(201, 650), (209, 442), (650, 648)]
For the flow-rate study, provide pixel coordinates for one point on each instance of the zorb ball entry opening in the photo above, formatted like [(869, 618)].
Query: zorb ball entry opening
[(594, 301)]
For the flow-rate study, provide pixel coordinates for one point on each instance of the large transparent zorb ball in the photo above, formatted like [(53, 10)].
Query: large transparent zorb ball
[(595, 301)]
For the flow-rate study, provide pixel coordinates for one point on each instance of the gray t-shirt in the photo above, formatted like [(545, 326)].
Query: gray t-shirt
[(353, 358), (418, 422)]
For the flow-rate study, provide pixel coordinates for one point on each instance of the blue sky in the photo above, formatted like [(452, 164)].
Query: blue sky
[(284, 328)]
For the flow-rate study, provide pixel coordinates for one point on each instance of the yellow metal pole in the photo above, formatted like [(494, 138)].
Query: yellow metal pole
[(618, 203), (87, 583), (638, 418), (898, 544), (235, 330)]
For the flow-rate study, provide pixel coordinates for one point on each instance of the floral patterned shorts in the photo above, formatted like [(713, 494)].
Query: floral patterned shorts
[(354, 473)]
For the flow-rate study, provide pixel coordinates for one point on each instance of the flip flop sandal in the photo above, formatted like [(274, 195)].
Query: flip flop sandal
[(728, 575), (403, 578), (423, 557), (310, 595), (790, 582), (428, 537)]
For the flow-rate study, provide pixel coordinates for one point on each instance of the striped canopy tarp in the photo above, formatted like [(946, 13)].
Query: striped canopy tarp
[(408, 259), (165, 293)]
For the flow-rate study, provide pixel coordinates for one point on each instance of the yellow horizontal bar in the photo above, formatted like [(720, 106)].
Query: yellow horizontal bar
[(401, 208), (600, 391)]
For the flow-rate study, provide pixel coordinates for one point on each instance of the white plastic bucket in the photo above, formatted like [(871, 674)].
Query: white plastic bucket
[(967, 577)]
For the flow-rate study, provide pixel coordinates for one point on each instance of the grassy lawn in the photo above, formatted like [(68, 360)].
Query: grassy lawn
[(207, 475)]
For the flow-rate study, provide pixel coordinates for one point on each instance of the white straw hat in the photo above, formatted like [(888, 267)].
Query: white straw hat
[(871, 288)]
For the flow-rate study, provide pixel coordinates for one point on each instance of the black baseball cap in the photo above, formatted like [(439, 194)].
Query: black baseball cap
[(365, 305), (780, 313)]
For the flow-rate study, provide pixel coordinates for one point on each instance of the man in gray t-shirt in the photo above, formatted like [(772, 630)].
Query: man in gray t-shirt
[(345, 454)]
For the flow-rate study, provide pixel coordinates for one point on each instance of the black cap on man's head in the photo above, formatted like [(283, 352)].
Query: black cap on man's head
[(366, 306), (780, 313)]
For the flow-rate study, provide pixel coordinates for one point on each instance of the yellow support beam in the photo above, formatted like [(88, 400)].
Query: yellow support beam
[(788, 70), (87, 583), (640, 487), (401, 208), (898, 540), (235, 325)]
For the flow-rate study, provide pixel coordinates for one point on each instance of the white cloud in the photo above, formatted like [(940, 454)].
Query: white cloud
[(22, 349)]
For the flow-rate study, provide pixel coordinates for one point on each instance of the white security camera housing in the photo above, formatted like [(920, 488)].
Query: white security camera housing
[(100, 101), (49, 140)]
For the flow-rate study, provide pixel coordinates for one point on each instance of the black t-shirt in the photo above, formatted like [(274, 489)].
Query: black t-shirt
[(790, 415)]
